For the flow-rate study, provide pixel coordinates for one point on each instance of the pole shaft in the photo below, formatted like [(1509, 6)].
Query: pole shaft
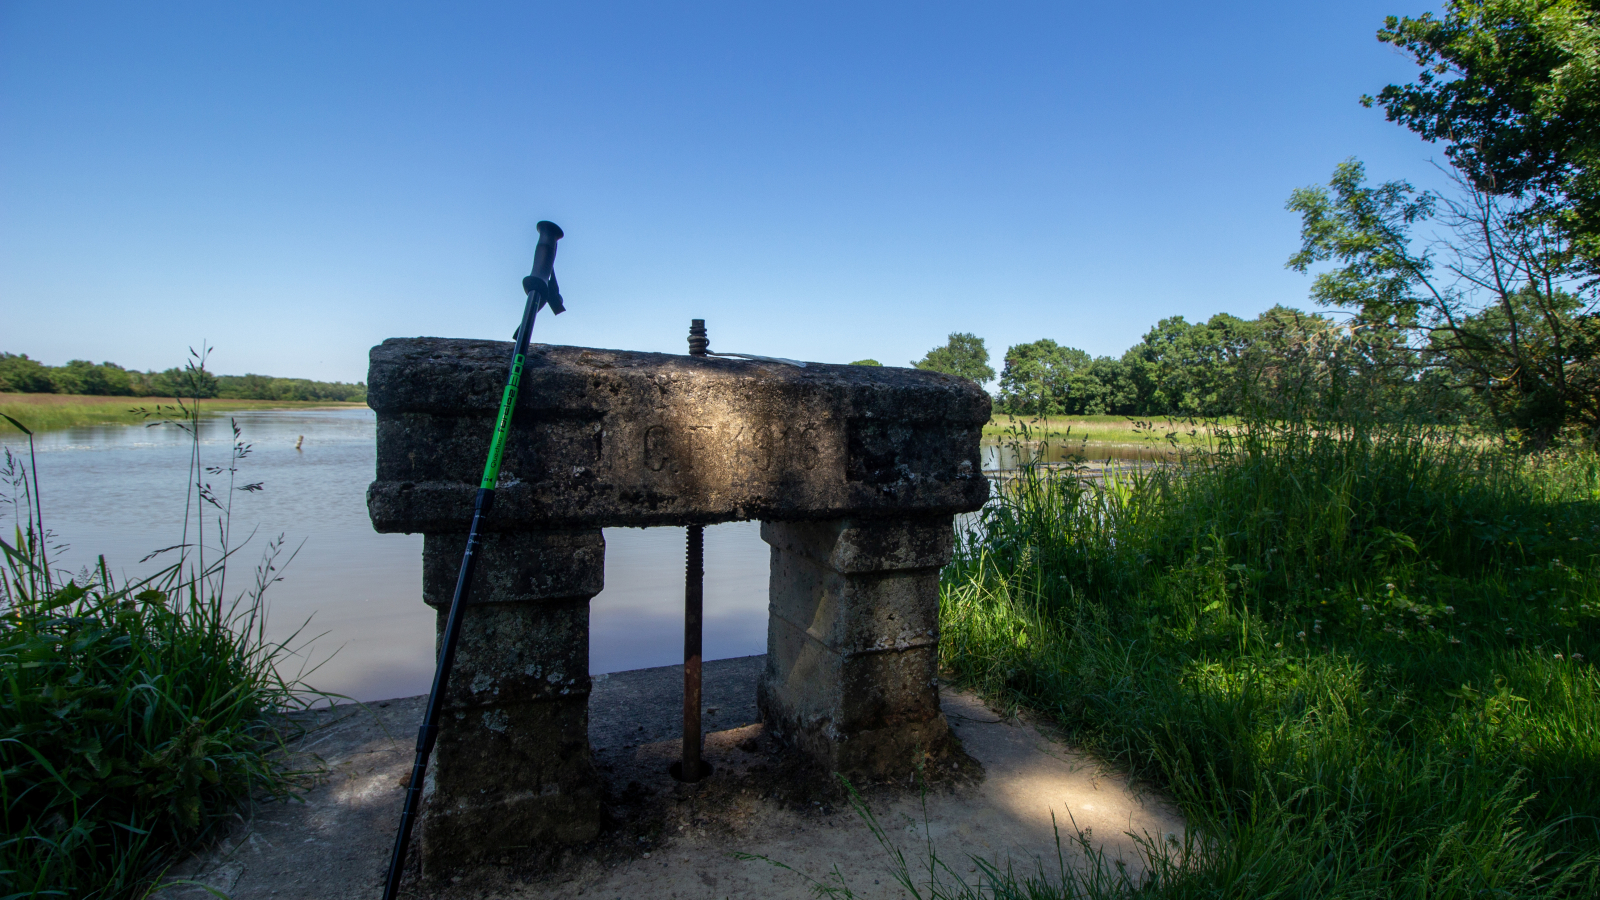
[(484, 501), (429, 731)]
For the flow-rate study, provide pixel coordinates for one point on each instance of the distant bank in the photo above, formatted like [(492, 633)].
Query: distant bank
[(48, 412), (21, 375)]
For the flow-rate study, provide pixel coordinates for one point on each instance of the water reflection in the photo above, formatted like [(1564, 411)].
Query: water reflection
[(637, 621)]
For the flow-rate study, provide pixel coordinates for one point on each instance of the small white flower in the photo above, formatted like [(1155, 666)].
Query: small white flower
[(1301, 635), (1449, 610), (1559, 656)]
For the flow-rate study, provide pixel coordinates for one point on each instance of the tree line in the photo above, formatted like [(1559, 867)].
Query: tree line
[(1220, 367), (19, 374), (1478, 305)]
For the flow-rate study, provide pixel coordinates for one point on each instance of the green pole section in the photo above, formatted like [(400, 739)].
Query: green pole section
[(502, 422)]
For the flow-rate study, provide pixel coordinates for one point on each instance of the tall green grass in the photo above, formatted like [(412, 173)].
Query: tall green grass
[(1360, 660), (134, 716)]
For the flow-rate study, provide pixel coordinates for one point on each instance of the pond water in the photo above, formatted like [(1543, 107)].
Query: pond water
[(1003, 455), (119, 491)]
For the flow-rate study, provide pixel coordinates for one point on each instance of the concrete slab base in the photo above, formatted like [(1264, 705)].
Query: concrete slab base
[(665, 839)]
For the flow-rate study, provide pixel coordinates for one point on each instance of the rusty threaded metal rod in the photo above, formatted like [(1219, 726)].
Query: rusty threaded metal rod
[(693, 611)]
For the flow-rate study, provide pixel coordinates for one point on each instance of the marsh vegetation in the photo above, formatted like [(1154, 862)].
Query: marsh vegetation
[(1359, 658), (135, 716)]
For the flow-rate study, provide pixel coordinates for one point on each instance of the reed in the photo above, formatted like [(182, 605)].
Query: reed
[(1072, 430)]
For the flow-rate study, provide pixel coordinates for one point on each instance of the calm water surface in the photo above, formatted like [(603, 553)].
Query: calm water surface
[(119, 491)]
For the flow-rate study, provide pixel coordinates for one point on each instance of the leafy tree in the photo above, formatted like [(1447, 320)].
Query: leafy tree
[(1191, 369), (1045, 378), (1495, 301), (1301, 366), (1513, 89), (176, 382), (79, 376), (1106, 388), (265, 387), (866, 362), (964, 356), (1034, 380), (24, 375)]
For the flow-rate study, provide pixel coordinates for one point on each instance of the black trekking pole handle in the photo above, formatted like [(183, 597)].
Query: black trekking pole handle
[(544, 255), (539, 287)]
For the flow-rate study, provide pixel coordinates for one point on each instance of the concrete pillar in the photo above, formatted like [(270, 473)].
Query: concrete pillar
[(853, 641), (512, 766)]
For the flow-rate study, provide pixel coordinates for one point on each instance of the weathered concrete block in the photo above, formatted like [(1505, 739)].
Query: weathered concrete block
[(859, 613), (517, 652), (515, 566), (872, 714), (855, 472), (852, 641), (608, 438), (516, 704), (849, 546), (508, 776)]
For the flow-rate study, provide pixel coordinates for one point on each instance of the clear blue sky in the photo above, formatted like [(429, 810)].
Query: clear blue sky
[(294, 182)]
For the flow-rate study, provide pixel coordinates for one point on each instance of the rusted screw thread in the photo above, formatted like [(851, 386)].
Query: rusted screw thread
[(699, 344), (693, 607), (694, 612)]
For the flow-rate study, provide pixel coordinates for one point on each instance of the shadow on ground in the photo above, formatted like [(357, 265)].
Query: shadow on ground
[(995, 800)]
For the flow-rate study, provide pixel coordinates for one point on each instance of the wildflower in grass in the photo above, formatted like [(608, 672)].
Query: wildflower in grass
[(1449, 610), (1301, 635)]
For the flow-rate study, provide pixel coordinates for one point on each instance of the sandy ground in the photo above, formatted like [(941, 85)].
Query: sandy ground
[(1000, 801)]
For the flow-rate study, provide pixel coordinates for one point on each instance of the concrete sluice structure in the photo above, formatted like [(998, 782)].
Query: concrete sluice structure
[(856, 474)]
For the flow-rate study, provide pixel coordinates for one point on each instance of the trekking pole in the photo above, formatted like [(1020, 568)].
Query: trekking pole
[(541, 289)]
